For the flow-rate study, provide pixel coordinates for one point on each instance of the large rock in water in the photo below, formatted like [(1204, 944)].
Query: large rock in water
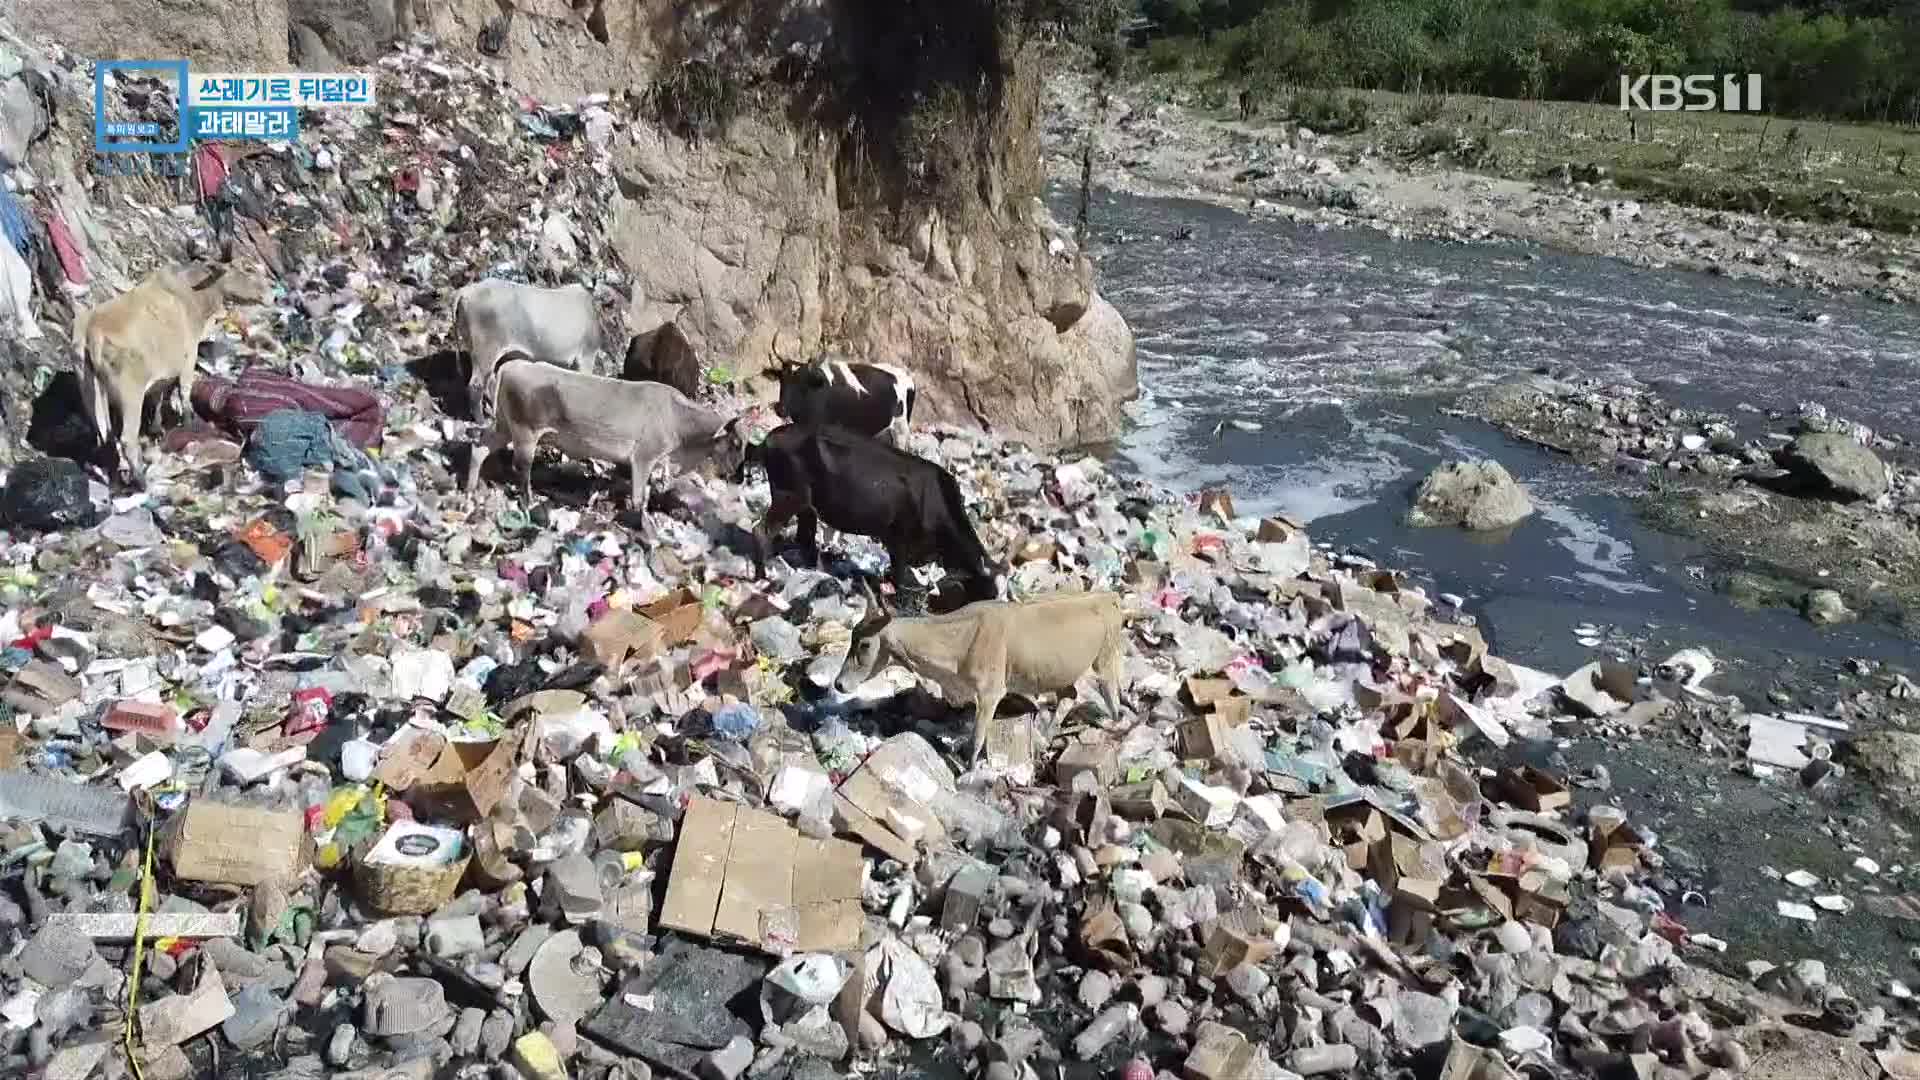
[(1835, 466), (1472, 494)]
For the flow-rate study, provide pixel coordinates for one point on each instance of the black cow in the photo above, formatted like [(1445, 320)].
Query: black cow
[(666, 356), (872, 399), (860, 485)]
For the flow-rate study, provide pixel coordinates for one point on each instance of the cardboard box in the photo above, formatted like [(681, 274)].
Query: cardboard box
[(1093, 754), (1277, 530), (468, 779), (742, 875), (1205, 692), (1083, 815), (678, 614), (1619, 845), (850, 820), (1219, 503), (1144, 801), (1219, 1053), (1228, 946), (407, 757), (1528, 788), (236, 845)]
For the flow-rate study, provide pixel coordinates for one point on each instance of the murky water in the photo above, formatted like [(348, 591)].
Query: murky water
[(1343, 347)]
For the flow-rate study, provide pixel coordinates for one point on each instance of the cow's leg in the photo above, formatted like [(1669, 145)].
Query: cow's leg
[(810, 537), (1112, 664), (985, 704), (642, 472), (899, 569), (183, 387), (524, 445), (486, 444), (779, 511), (130, 400)]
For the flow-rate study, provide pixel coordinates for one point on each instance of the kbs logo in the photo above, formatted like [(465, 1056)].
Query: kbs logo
[(1691, 93)]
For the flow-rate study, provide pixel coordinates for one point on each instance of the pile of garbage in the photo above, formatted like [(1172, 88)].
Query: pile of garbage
[(311, 760)]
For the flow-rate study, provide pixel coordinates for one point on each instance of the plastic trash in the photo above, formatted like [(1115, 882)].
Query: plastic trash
[(737, 721), (47, 495)]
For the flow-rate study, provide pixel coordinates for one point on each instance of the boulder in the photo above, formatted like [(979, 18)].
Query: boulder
[(1477, 495), (1889, 758), (1834, 466), (1824, 607)]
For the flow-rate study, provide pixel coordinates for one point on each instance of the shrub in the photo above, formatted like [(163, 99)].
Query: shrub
[(697, 99), (1329, 113), (1426, 110)]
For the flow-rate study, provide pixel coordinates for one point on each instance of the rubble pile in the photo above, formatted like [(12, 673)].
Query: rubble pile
[(353, 773)]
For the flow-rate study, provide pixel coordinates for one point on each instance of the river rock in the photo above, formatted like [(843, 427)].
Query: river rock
[(1890, 758), (1834, 466), (1478, 495), (1824, 607)]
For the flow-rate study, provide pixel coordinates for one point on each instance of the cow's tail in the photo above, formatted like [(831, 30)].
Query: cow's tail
[(93, 389), (459, 334)]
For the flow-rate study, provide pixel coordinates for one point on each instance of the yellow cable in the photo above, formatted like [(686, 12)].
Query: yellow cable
[(139, 953)]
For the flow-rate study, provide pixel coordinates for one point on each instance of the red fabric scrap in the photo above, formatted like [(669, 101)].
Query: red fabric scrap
[(210, 169), (238, 406), (71, 260)]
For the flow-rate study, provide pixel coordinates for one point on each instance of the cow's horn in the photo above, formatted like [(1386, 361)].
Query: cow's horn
[(876, 605)]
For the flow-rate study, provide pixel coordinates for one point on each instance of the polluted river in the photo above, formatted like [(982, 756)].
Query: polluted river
[(1313, 373)]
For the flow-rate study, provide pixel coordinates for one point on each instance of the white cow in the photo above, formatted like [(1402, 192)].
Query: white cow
[(639, 424), (493, 317)]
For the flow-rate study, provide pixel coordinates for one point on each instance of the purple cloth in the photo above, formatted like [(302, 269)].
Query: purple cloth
[(239, 405)]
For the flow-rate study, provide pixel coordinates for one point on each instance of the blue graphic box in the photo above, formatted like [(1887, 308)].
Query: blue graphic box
[(101, 142)]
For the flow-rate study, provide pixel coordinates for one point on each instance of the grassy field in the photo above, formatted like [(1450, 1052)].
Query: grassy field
[(1863, 174)]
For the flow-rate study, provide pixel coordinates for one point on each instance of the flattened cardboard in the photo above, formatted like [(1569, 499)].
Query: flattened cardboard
[(236, 845), (620, 636), (743, 875), (827, 875), (759, 875), (699, 867), (678, 614), (173, 1020)]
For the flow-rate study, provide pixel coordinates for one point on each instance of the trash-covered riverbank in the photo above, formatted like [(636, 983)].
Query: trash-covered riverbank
[(319, 765)]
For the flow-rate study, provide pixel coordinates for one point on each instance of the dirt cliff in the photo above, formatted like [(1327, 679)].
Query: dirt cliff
[(816, 174)]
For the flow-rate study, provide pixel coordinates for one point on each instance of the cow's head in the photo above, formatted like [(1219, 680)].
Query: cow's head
[(728, 452), (236, 282), (869, 651)]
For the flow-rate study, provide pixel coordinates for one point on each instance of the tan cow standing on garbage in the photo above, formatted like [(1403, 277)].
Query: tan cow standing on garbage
[(147, 335), (598, 419), (987, 649), (492, 318)]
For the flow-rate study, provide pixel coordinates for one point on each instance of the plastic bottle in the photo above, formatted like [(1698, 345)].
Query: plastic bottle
[(1104, 1029)]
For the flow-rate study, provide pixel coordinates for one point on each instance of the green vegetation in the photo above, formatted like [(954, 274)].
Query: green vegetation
[(1853, 59)]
